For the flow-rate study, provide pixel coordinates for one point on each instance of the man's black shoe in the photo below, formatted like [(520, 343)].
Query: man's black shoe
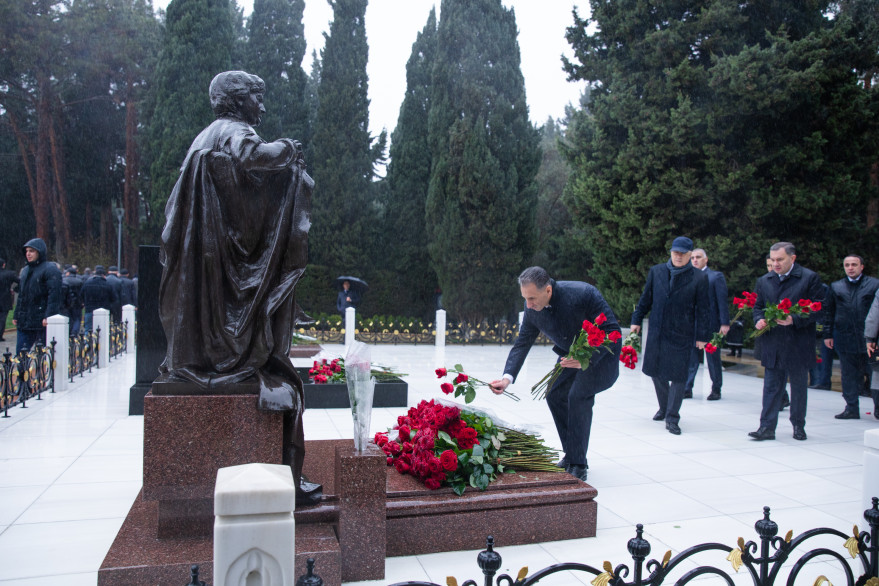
[(563, 463), (660, 415), (848, 414), (673, 428), (688, 394), (578, 472), (799, 433), (714, 396), (820, 387), (785, 400), (764, 433), (876, 412)]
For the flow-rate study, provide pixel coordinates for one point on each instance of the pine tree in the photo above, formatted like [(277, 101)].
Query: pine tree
[(343, 163), (198, 44), (275, 50), (721, 121), (482, 198), (408, 179)]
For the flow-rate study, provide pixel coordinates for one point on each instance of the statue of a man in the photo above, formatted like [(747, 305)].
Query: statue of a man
[(234, 245)]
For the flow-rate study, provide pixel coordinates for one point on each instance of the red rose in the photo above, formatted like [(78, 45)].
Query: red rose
[(390, 460), (816, 306), (819, 360), (449, 460), (596, 338), (380, 439), (784, 304), (408, 447), (401, 466), (440, 372), (710, 348), (394, 447), (614, 335), (447, 388), (804, 302), (404, 432), (432, 483), (600, 319), (461, 378)]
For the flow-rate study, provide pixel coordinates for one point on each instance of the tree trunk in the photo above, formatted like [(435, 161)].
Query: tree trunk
[(43, 204), (62, 223), (129, 193)]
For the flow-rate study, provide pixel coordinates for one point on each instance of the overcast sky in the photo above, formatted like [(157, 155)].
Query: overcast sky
[(391, 28)]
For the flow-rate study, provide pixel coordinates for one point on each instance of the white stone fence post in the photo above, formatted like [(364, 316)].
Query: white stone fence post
[(440, 323), (58, 329), (254, 527), (129, 314), (350, 325), (101, 319)]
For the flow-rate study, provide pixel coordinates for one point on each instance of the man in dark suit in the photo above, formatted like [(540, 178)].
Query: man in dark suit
[(718, 316), (676, 296), (788, 349), (557, 309), (7, 279), (845, 308)]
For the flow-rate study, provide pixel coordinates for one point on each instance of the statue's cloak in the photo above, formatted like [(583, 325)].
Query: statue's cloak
[(234, 245)]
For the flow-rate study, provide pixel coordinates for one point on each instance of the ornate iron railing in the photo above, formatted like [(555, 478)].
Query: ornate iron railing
[(763, 560), (84, 351), (118, 338), (25, 375), (416, 332)]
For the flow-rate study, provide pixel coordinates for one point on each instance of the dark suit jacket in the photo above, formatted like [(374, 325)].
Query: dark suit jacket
[(790, 346), (570, 304), (678, 318), (718, 311), (7, 278), (845, 310)]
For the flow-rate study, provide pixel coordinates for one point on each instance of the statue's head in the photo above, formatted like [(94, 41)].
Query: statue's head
[(237, 94)]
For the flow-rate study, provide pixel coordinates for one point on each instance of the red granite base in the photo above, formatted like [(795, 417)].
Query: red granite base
[(304, 350), (519, 508), (138, 557)]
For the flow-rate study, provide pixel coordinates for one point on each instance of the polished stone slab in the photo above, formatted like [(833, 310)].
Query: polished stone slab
[(391, 393)]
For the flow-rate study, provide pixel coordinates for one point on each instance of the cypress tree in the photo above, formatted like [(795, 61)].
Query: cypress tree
[(482, 198), (198, 45), (409, 177), (275, 49), (343, 165), (722, 121)]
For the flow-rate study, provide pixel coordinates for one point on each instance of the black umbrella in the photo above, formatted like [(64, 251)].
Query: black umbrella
[(358, 285)]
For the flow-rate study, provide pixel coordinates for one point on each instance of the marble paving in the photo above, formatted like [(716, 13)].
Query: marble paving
[(71, 465)]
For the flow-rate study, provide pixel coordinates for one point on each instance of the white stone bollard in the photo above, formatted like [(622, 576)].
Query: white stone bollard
[(129, 314), (440, 328), (101, 319), (350, 324), (58, 329), (871, 467), (254, 528)]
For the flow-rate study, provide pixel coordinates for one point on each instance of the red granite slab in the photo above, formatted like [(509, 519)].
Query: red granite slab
[(361, 480), (138, 557)]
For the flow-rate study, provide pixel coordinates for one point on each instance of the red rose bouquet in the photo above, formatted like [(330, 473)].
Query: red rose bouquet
[(441, 444), (631, 347), (783, 309), (324, 372), (590, 339), (464, 384), (742, 304)]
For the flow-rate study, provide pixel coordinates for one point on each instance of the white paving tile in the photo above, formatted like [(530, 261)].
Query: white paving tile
[(72, 467)]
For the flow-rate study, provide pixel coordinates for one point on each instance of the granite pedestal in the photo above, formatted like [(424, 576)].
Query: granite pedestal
[(388, 393), (151, 342), (304, 350), (372, 509)]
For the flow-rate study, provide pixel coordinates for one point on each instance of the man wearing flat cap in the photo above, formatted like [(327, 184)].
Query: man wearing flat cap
[(676, 296)]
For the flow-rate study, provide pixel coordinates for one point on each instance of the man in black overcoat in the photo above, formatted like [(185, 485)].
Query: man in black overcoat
[(676, 296), (845, 309), (788, 348), (718, 314), (7, 279), (557, 309)]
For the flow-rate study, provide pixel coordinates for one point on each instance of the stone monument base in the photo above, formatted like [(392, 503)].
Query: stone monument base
[(519, 508), (304, 350)]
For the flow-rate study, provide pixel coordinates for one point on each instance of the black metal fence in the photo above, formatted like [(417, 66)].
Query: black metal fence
[(763, 560), (411, 332), (26, 375), (31, 373)]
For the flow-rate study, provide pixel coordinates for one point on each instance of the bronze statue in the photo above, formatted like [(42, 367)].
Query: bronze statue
[(234, 245)]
